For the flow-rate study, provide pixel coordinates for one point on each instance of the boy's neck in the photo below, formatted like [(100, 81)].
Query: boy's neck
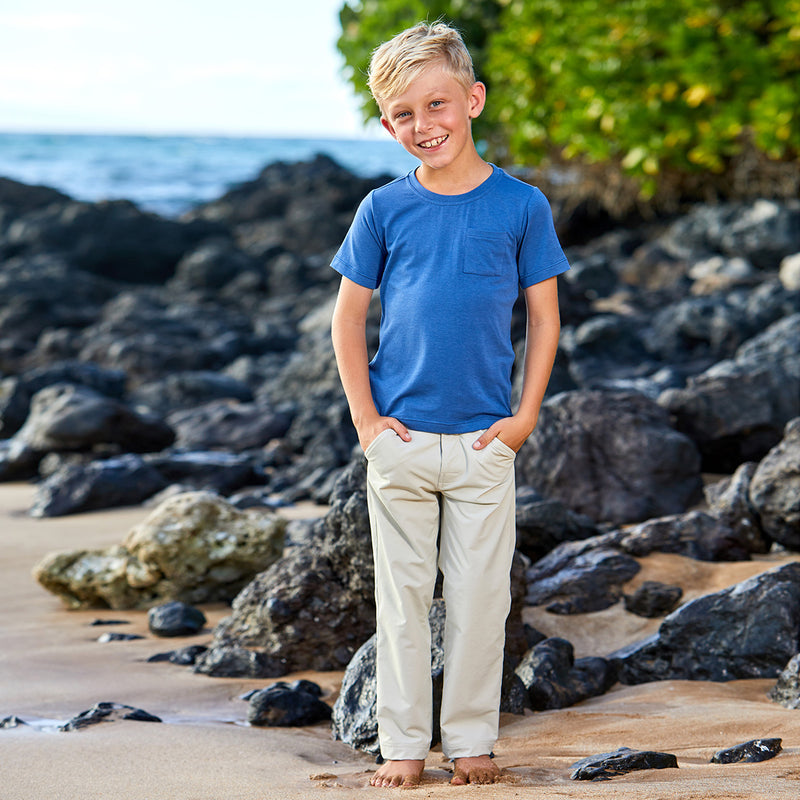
[(461, 181)]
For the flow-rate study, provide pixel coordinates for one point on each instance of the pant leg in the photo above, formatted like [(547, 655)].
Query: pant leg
[(477, 547), (404, 518)]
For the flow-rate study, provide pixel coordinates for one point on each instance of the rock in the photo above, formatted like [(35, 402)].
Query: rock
[(354, 720), (653, 599), (118, 637), (299, 614), (604, 766), (753, 751), (774, 490), (228, 425), (107, 712), (110, 238), (185, 656), (736, 410), (787, 690), (16, 392), (612, 456), (542, 524), (729, 501), (175, 619), (108, 483), (237, 662), (354, 712), (11, 722), (553, 678), (745, 631), (211, 266), (70, 417), (186, 391), (194, 547), (210, 470), (591, 581), (284, 705)]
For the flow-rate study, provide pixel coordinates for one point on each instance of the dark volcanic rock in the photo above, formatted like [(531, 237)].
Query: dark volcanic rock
[(737, 409), (554, 679), (287, 705), (589, 582), (787, 690), (237, 662), (753, 751), (542, 524), (212, 470), (729, 501), (185, 391), (228, 425), (653, 599), (604, 766), (610, 455), (775, 489), (749, 630), (107, 712), (70, 417), (184, 656), (111, 238), (175, 619), (123, 481)]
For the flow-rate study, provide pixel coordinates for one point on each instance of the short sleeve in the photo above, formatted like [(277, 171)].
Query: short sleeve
[(540, 254), (362, 256)]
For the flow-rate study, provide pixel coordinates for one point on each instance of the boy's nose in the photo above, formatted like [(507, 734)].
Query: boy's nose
[(424, 122)]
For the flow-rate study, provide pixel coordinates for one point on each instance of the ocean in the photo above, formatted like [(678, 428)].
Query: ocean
[(171, 174)]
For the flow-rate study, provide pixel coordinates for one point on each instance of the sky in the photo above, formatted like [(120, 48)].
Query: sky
[(238, 67)]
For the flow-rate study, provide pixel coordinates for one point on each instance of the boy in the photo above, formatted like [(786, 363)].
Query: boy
[(449, 244)]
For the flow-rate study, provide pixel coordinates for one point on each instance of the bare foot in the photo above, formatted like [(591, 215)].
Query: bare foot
[(474, 769), (398, 773)]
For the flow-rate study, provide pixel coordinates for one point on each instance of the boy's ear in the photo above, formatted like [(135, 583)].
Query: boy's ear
[(388, 125), (477, 99)]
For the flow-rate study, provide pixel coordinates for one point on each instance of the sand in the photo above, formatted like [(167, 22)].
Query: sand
[(52, 667)]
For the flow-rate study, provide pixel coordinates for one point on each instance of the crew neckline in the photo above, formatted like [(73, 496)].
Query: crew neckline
[(453, 199)]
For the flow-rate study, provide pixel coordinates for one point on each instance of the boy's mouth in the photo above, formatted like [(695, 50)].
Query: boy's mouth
[(434, 142)]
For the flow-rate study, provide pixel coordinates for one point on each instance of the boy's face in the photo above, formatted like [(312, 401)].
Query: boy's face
[(432, 119)]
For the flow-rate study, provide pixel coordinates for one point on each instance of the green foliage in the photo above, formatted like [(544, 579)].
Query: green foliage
[(654, 87)]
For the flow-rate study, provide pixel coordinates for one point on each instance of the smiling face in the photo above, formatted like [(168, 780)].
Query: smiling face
[(432, 119)]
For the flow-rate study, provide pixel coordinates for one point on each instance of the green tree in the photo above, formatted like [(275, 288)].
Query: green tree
[(667, 92)]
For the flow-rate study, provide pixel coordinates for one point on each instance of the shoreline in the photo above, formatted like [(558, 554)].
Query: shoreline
[(52, 668)]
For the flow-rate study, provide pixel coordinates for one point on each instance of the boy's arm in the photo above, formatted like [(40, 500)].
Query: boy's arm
[(348, 332), (541, 343)]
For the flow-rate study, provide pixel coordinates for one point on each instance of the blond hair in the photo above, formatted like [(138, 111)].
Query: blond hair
[(400, 61)]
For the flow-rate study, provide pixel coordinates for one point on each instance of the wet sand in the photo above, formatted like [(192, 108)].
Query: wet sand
[(52, 667)]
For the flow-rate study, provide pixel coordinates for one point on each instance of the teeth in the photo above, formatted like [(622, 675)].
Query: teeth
[(433, 142)]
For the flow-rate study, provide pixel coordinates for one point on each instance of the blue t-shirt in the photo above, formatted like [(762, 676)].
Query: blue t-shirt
[(449, 268)]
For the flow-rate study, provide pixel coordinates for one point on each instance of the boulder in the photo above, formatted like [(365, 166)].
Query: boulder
[(228, 425), (774, 490), (554, 679), (542, 524), (736, 410), (105, 483), (73, 417), (591, 581), (612, 456), (110, 238), (749, 630), (194, 547)]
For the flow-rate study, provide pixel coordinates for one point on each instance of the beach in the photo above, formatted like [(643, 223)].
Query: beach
[(52, 667)]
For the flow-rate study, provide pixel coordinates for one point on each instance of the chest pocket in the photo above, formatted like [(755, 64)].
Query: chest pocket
[(488, 253)]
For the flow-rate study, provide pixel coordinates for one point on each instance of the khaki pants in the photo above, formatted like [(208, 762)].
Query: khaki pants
[(438, 486)]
